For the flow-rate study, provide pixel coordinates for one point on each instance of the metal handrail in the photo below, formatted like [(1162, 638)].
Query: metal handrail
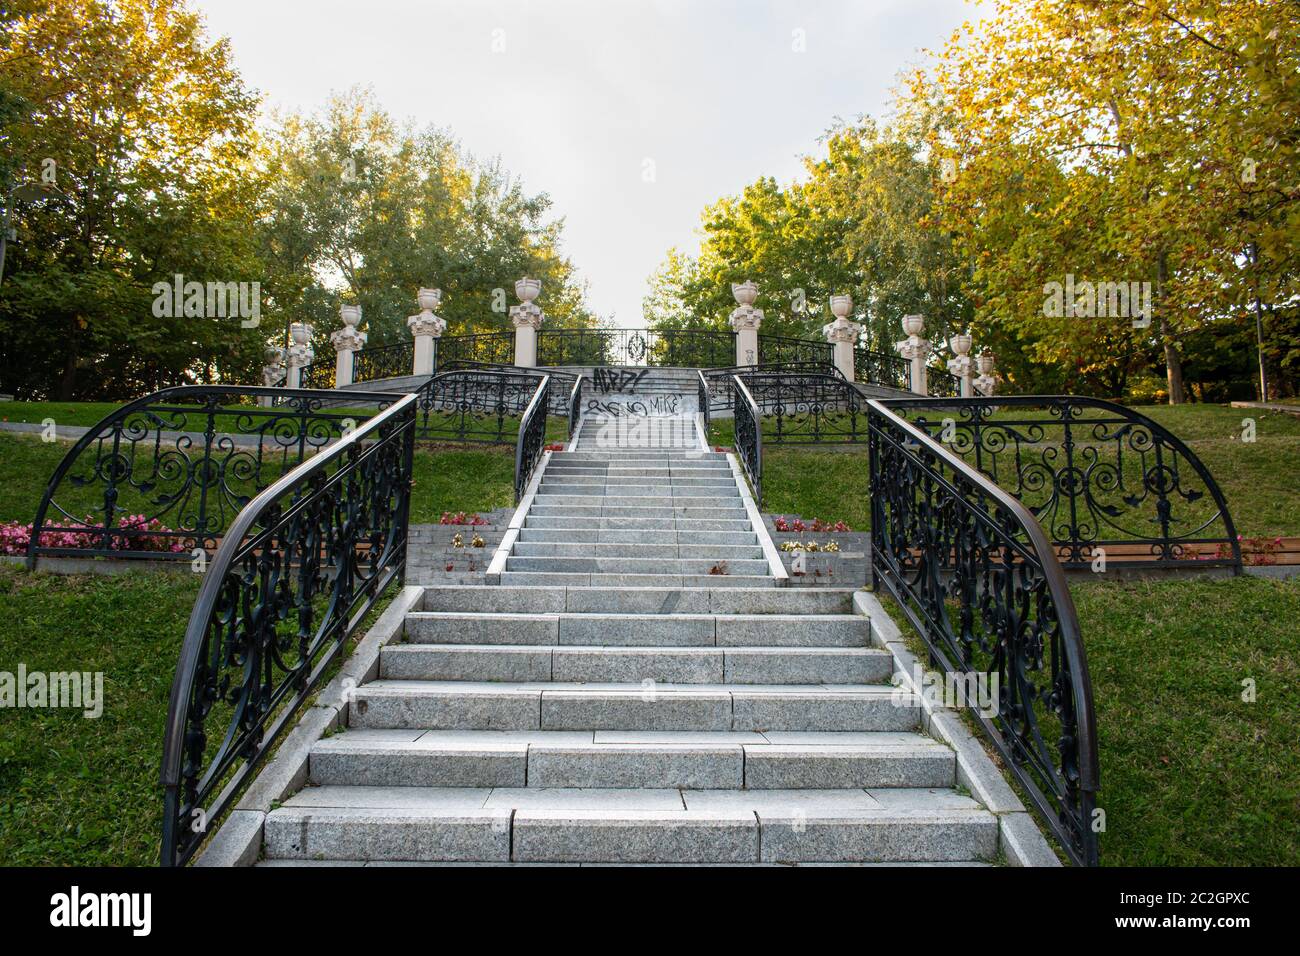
[(1084, 493), (296, 423), (991, 575), (748, 431), (269, 568), (575, 403), (532, 437)]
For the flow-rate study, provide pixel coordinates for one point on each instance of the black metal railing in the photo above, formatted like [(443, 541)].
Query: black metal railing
[(717, 381), (704, 398), (882, 368), (532, 437), (166, 473), (682, 348), (774, 349), (320, 374), (575, 403), (491, 348), (383, 361), (1112, 487), (806, 408), (299, 569), (475, 406), (941, 383), (562, 383), (975, 574), (749, 437)]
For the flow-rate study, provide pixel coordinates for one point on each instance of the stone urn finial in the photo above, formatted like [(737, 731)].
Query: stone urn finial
[(744, 292), (301, 331), (274, 355), (984, 361), (350, 314), (526, 289), (913, 324), (960, 343), (428, 299), (841, 306)]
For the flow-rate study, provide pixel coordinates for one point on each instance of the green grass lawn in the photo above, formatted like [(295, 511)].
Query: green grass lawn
[(85, 791)]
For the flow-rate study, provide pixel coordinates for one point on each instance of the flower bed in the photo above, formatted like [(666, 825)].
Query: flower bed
[(15, 537)]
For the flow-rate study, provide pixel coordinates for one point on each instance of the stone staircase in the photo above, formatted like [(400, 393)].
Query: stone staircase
[(611, 701)]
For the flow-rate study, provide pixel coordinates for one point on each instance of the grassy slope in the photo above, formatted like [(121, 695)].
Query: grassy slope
[(1191, 774), (74, 790)]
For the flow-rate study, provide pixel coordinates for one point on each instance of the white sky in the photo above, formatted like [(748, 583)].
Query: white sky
[(587, 92)]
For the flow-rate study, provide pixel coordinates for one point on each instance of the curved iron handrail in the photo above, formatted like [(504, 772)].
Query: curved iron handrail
[(718, 380), (475, 406), (531, 442), (807, 407), (703, 400), (976, 575), (296, 573), (575, 403), (748, 431), (1095, 486), (190, 456)]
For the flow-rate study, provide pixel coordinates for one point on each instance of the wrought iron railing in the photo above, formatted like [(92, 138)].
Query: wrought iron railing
[(481, 407), (774, 349), (749, 436), (806, 408), (717, 381), (704, 399), (683, 348), (941, 383), (492, 348), (531, 442), (562, 383), (299, 569), (166, 473), (320, 374), (975, 574), (1112, 487), (882, 368), (383, 361), (575, 403)]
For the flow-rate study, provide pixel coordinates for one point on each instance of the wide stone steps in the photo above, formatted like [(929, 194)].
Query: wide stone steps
[(527, 825), (632, 580), (578, 549), (687, 537), (556, 705), (788, 632), (635, 664), (558, 759), (626, 565), (671, 521), (710, 599)]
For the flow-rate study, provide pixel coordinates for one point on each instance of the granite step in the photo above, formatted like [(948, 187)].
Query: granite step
[(576, 760), (709, 599), (625, 565), (659, 536), (486, 705), (681, 663), (578, 549)]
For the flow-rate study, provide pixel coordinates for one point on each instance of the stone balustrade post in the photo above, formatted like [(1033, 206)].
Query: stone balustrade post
[(527, 318), (427, 328), (745, 321), (346, 341), (987, 381), (272, 373), (962, 365), (300, 353), (843, 334), (916, 350)]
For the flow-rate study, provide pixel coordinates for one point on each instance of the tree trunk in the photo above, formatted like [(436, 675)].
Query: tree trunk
[(1173, 360)]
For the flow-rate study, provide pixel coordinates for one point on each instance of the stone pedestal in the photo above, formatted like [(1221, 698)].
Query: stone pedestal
[(427, 328), (346, 341), (745, 322), (272, 373), (300, 353), (527, 318), (842, 334), (916, 350), (986, 382), (963, 366)]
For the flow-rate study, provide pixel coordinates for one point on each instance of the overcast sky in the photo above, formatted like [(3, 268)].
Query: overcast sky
[(632, 114)]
